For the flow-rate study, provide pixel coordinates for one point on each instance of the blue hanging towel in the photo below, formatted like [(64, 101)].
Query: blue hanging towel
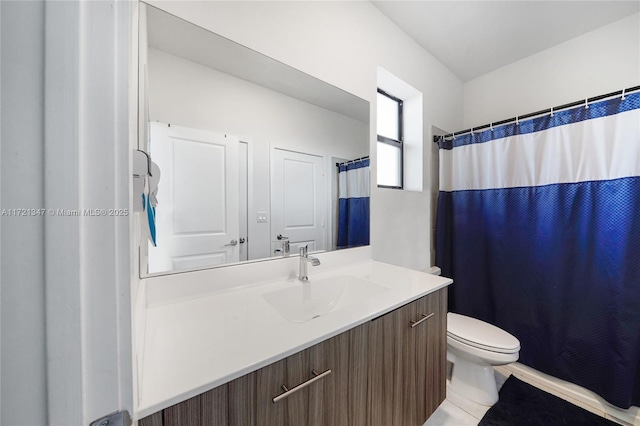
[(151, 218)]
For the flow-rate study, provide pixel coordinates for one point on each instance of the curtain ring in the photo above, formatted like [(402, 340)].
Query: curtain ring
[(551, 111), (491, 126), (622, 98), (586, 103), (517, 121), (454, 135)]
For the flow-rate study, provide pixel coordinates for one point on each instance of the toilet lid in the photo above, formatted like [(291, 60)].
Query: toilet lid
[(480, 334)]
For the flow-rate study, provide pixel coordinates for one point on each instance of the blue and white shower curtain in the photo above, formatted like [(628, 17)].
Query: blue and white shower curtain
[(538, 224), (353, 204)]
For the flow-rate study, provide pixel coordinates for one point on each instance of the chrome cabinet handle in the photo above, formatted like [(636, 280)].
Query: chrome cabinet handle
[(423, 319), (316, 376), (232, 243)]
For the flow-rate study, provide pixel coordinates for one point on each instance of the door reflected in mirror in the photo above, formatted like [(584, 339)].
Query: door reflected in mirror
[(248, 149)]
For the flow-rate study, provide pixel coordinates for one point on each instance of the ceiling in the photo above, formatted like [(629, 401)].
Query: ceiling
[(473, 38)]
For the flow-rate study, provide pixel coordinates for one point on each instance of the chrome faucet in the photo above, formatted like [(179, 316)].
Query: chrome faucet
[(304, 259), (285, 246)]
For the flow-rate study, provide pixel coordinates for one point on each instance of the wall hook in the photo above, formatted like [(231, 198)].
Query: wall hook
[(146, 171)]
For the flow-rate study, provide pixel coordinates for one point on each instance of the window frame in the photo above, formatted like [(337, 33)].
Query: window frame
[(399, 143)]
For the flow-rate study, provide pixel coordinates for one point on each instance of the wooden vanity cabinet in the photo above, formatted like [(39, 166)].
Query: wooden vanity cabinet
[(383, 372)]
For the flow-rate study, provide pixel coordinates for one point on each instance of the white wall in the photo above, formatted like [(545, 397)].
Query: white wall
[(188, 94), (342, 43), (601, 61), (23, 360)]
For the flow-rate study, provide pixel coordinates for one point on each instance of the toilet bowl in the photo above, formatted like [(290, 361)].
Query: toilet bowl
[(474, 347)]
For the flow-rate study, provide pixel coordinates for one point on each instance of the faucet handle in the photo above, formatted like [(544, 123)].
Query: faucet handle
[(303, 250)]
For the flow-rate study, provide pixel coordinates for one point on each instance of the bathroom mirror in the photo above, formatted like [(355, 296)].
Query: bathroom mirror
[(247, 149)]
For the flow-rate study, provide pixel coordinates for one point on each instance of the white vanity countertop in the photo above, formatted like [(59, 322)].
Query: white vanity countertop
[(197, 344)]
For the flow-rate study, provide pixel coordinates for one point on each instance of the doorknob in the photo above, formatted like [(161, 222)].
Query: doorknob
[(232, 243)]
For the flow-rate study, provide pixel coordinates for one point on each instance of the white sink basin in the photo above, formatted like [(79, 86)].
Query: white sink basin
[(314, 298)]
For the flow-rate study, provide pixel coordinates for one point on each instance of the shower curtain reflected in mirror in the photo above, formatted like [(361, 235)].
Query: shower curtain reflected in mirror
[(353, 205), (539, 227)]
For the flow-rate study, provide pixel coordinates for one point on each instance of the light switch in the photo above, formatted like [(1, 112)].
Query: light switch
[(262, 217)]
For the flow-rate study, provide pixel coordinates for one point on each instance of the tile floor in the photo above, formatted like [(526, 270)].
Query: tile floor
[(459, 411)]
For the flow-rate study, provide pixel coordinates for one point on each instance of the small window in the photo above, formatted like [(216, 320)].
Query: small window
[(389, 141)]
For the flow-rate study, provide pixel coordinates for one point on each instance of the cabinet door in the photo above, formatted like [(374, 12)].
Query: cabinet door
[(319, 400), (428, 364), (334, 389), (407, 364), (242, 401), (431, 347), (359, 367), (268, 381), (387, 336)]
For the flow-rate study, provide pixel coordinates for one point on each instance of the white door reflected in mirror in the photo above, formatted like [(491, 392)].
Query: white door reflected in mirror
[(197, 215), (298, 201)]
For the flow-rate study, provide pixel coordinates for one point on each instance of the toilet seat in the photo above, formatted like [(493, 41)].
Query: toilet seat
[(481, 335)]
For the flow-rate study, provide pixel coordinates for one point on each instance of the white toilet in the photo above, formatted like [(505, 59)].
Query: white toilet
[(474, 347)]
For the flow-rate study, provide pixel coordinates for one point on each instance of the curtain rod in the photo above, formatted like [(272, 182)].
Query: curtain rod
[(541, 112), (353, 161)]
